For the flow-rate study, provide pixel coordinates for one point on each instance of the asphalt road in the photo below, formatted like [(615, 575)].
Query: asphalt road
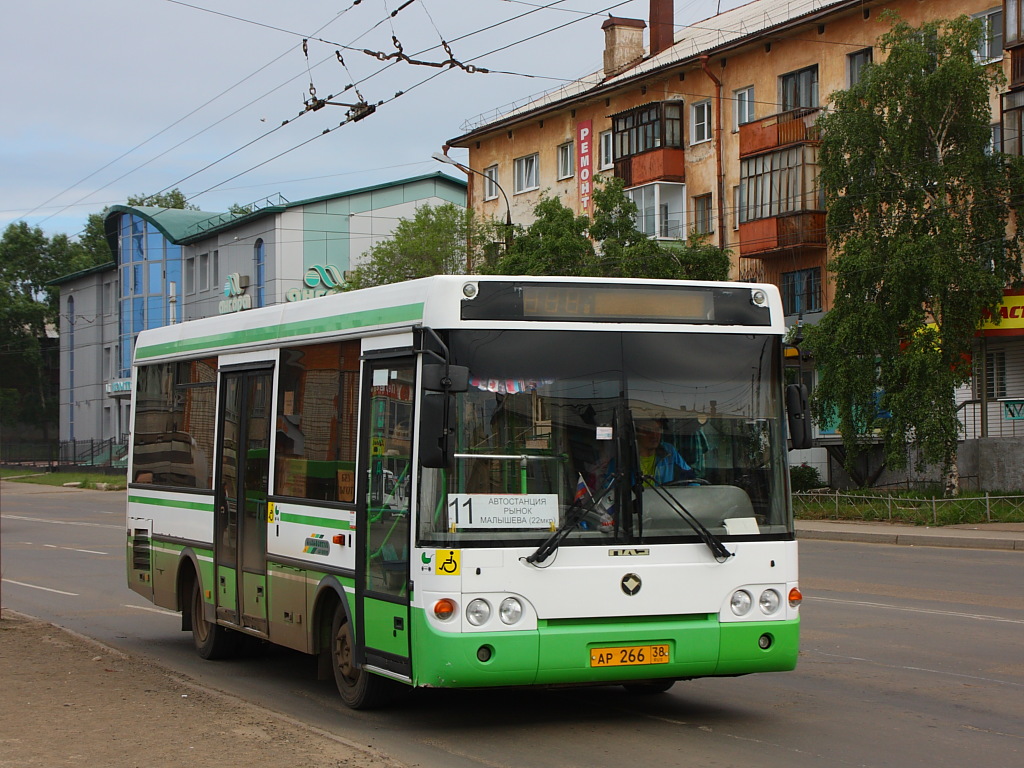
[(911, 656)]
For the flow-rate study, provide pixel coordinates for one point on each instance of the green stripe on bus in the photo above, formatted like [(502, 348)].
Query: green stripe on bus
[(382, 316), (323, 522), (204, 507)]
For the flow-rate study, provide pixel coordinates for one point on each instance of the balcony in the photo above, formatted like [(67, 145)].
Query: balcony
[(666, 164), (793, 127), (800, 229)]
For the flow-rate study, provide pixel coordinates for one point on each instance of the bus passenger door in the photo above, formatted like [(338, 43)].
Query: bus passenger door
[(382, 584), (240, 523)]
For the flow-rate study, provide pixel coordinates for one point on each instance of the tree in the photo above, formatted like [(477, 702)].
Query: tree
[(28, 307), (173, 199), (556, 243), (433, 242), (917, 216), (560, 243)]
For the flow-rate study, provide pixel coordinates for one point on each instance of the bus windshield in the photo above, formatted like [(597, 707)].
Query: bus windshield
[(624, 434)]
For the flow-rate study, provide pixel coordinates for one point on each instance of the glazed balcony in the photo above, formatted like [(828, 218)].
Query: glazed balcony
[(665, 164), (797, 126), (766, 237)]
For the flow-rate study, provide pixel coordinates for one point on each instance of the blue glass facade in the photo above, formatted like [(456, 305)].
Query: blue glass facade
[(150, 267)]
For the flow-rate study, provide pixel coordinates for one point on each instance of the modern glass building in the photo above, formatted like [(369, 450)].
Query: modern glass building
[(173, 265)]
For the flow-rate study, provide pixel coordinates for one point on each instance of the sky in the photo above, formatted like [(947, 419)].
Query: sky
[(110, 98)]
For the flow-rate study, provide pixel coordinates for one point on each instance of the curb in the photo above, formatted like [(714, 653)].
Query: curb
[(914, 539)]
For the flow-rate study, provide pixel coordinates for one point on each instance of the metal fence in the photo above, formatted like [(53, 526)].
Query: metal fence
[(918, 510), (66, 454)]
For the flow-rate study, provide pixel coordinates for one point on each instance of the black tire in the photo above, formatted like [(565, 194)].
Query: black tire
[(212, 641), (358, 689), (648, 687)]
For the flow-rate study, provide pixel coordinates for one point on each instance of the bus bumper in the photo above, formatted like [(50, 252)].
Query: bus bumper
[(560, 652)]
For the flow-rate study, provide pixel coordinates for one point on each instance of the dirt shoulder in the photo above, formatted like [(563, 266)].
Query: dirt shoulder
[(66, 700)]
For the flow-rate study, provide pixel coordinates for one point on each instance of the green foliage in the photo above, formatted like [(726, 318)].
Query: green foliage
[(173, 199), (917, 215), (433, 242), (804, 477), (559, 242), (28, 307), (556, 243)]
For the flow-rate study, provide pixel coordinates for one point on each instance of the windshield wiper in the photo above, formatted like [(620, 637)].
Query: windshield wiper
[(710, 540), (575, 514)]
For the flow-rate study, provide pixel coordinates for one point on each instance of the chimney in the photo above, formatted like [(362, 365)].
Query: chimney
[(623, 44), (662, 25)]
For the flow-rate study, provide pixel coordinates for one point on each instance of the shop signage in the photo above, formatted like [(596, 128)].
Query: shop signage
[(320, 280), (235, 298), (1011, 317), (1013, 410), (119, 387), (584, 156)]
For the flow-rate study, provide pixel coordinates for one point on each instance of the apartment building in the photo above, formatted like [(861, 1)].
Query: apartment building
[(712, 128)]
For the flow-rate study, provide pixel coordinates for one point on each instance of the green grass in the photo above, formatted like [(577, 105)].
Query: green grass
[(910, 508), (87, 479)]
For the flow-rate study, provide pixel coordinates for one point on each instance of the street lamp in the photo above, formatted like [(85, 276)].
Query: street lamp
[(443, 158)]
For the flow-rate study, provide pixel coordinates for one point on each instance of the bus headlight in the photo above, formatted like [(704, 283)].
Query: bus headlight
[(769, 602), (741, 602), (478, 612), (510, 610)]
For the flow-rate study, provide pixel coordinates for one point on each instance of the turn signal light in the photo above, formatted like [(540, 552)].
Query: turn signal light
[(795, 597), (444, 609)]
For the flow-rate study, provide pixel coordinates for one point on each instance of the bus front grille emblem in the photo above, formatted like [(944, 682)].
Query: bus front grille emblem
[(631, 584)]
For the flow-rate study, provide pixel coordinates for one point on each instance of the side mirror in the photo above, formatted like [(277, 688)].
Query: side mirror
[(437, 425), (445, 378), (798, 418)]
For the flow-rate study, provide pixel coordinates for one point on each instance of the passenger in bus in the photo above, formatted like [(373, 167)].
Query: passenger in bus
[(660, 462)]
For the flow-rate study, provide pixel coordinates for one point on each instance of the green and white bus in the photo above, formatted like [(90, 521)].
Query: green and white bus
[(476, 481)]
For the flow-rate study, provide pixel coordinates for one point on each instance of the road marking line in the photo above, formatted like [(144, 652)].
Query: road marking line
[(151, 610), (976, 616), (45, 589), (63, 522)]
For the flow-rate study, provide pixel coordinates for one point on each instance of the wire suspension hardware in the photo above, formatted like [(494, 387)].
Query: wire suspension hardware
[(356, 111), (400, 55)]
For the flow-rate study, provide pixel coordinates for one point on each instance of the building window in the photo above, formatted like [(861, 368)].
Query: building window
[(1013, 26), (737, 205), (779, 182), (526, 173), (490, 182), (259, 266), (855, 63), (566, 166), (801, 291), (607, 154), (204, 271), (995, 375), (995, 143), (661, 209), (990, 44), (743, 106), (215, 270), (799, 89), (700, 122), (190, 275), (703, 220), (1013, 110), (651, 126), (71, 367)]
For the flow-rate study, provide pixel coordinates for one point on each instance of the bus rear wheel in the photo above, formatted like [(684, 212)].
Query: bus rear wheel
[(359, 689), (212, 641)]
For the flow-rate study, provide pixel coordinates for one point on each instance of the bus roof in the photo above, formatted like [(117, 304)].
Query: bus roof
[(433, 302)]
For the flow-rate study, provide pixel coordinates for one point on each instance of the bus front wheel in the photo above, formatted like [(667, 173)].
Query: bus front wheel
[(359, 689), (212, 641)]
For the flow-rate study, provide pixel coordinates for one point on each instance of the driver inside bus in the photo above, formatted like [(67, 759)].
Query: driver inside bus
[(660, 462)]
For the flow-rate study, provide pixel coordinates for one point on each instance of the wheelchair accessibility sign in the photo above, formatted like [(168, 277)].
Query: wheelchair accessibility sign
[(448, 562)]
